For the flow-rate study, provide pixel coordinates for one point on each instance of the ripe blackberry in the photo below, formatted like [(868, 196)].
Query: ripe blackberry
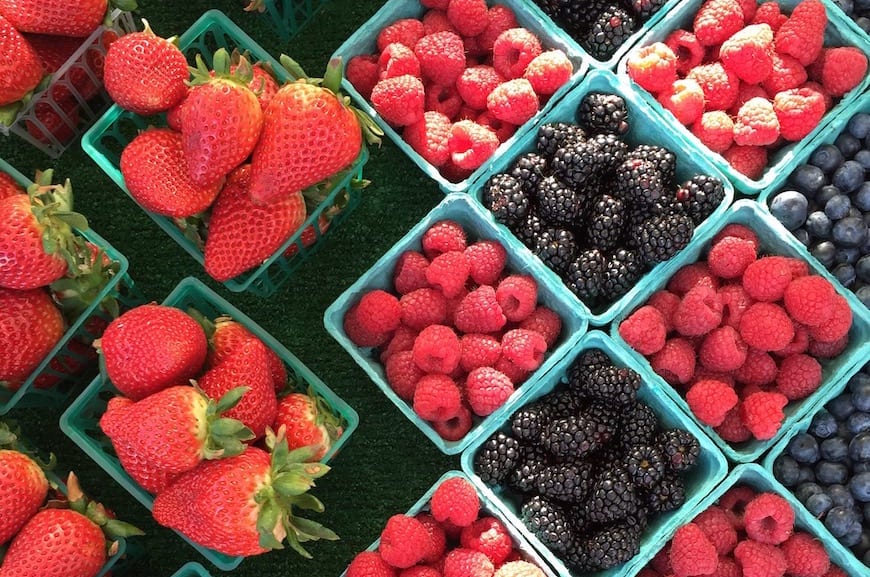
[(497, 458), (530, 229), (529, 169), (556, 247), (661, 237), (640, 182), (548, 522), (680, 448), (574, 436), (616, 384), (609, 153), (578, 16), (554, 135), (606, 221), (639, 425), (612, 497), (608, 414), (664, 159), (610, 546), (577, 164), (621, 271), (701, 195), (533, 459), (562, 403), (530, 421), (584, 274), (644, 9), (646, 465), (568, 482), (585, 365), (609, 31), (603, 113), (558, 204), (668, 494), (504, 196)]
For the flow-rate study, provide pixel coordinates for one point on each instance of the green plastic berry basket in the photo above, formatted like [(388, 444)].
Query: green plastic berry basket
[(773, 239), (192, 569), (80, 422), (841, 31), (487, 507), (709, 471), (644, 130), (289, 17), (478, 225), (106, 140), (363, 41), (65, 366)]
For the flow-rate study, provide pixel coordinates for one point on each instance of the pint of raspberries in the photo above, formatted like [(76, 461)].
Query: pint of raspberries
[(748, 79), (459, 332)]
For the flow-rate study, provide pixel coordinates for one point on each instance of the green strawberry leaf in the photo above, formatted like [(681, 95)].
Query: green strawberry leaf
[(291, 485), (308, 502), (313, 530), (293, 540), (117, 529), (293, 68), (230, 399)]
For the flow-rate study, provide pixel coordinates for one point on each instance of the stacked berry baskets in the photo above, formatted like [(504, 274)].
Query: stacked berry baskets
[(784, 70), (601, 195), (596, 466)]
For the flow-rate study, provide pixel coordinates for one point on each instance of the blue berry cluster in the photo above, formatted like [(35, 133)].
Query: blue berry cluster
[(827, 206), (857, 10), (828, 466)]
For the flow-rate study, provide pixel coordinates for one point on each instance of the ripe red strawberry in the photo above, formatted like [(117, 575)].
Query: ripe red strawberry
[(310, 132), (54, 124), (242, 505), (20, 70), (308, 421), (309, 236), (31, 326), (243, 234), (23, 487), (55, 17), (9, 186), (226, 334)]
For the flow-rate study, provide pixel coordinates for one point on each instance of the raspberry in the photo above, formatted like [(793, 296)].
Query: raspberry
[(503, 130), (420, 571), (487, 259), (399, 100), (828, 350), (513, 50), (760, 559), (684, 99), (410, 272), (443, 99), (808, 300), (767, 278), (456, 501), (403, 374), (719, 85), (524, 348), (739, 231), (369, 564), (397, 60), (435, 4), (757, 123), (437, 398), (686, 48), (799, 268), (479, 351), (441, 56), (716, 525), (428, 137), (748, 53), (406, 31), (475, 83), (513, 101), (666, 303), (748, 7), (471, 144), (499, 18), (799, 111), (517, 295), (746, 93), (732, 430), (548, 72), (715, 130), (805, 556), (843, 69), (768, 518), (422, 308), (723, 350), (702, 373), (456, 428), (803, 34), (769, 13), (710, 400), (357, 333), (469, 17), (836, 327), (404, 541), (435, 20), (487, 389), (362, 72), (749, 161), (489, 536), (786, 73), (759, 369), (699, 312), (762, 414), (717, 20), (727, 568), (734, 501), (675, 362), (818, 89), (516, 375), (766, 326), (437, 350), (402, 340), (443, 236), (448, 272), (544, 321), (479, 312), (519, 568), (644, 330), (835, 571), (661, 562), (729, 257), (799, 343), (378, 312), (691, 275), (462, 562), (653, 67), (735, 301), (691, 552), (438, 540)]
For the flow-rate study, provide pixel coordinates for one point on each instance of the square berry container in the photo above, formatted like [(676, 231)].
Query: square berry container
[(363, 41), (486, 506), (645, 129), (841, 31), (80, 422), (709, 471), (288, 17), (60, 121), (480, 226), (106, 140), (65, 355), (773, 239), (192, 569)]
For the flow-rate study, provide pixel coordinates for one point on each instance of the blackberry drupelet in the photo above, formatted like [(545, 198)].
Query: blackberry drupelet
[(561, 403), (664, 159), (530, 169), (497, 458), (646, 465), (556, 247), (621, 271), (701, 195), (555, 135), (574, 436), (608, 414), (600, 112), (530, 229), (577, 164), (644, 9), (606, 222), (609, 31), (577, 16), (530, 421), (612, 497), (504, 196), (583, 277), (610, 546), (609, 153), (533, 459), (548, 522), (614, 384), (567, 482), (680, 448), (585, 365), (661, 237), (639, 425), (558, 203), (640, 182), (668, 494)]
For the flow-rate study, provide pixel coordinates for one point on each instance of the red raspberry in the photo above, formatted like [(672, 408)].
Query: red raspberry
[(803, 34), (757, 123), (748, 53), (513, 50), (404, 541), (808, 300), (487, 389), (699, 312), (489, 536), (649, 572), (437, 398), (799, 111), (455, 500), (378, 312), (759, 369), (499, 18), (428, 137), (548, 72), (767, 278), (519, 568), (448, 272), (469, 17), (732, 430), (516, 375), (437, 350), (692, 553), (443, 236), (727, 568), (517, 295), (513, 101), (644, 330), (690, 276), (524, 348), (474, 54), (828, 350), (436, 21), (734, 501), (715, 130), (462, 562), (358, 334), (443, 99), (487, 259), (836, 327), (719, 85), (422, 308), (453, 304), (710, 400), (805, 556), (786, 73), (766, 326), (402, 340), (762, 414), (702, 373), (717, 20), (835, 571), (362, 72), (760, 559), (397, 60), (666, 303), (438, 540), (799, 343), (748, 7), (475, 83), (843, 69), (406, 31), (403, 374), (749, 161), (739, 231), (653, 67), (675, 362), (684, 99), (420, 571), (399, 100), (544, 321), (661, 563), (799, 268), (369, 564), (503, 130), (479, 350), (746, 93), (817, 88), (479, 312), (686, 48), (769, 13), (410, 272), (456, 428), (735, 301), (471, 144), (441, 56), (435, 4), (768, 518), (716, 525), (723, 350)]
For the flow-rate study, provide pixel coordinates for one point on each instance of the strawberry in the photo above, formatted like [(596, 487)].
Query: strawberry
[(9, 186), (155, 172), (262, 83), (54, 124), (243, 234), (308, 422), (225, 335), (310, 132), (144, 73), (31, 327), (23, 486), (309, 236), (54, 52), (246, 505), (55, 17), (20, 70)]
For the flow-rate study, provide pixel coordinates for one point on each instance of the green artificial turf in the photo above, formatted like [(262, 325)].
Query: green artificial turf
[(388, 463)]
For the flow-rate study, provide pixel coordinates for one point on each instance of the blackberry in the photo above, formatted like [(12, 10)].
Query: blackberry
[(556, 247), (646, 465), (701, 194), (529, 169), (603, 113), (608, 414), (644, 9), (615, 384), (533, 459), (585, 364), (661, 237), (668, 494), (574, 436), (609, 31), (577, 164), (548, 522), (610, 152), (569, 482), (639, 425), (530, 421), (680, 448), (664, 159), (561, 403), (558, 204), (530, 229), (606, 221), (610, 546), (497, 458), (640, 182), (584, 274), (504, 196), (621, 271), (555, 135), (578, 15), (612, 497)]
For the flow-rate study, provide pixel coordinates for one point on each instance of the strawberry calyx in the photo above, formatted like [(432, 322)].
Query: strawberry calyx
[(225, 437), (222, 70), (324, 415), (95, 512), (76, 292), (10, 439)]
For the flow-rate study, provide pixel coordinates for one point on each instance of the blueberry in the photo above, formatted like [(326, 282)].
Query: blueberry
[(834, 449), (819, 504), (859, 485), (845, 273), (805, 490), (867, 513), (857, 381), (860, 388), (850, 232), (827, 157), (863, 158), (863, 545), (847, 255), (826, 193), (862, 5), (825, 252), (786, 470), (808, 178), (840, 496), (839, 521), (823, 425), (866, 219), (861, 197), (848, 144), (864, 24), (847, 7), (789, 208), (830, 473), (859, 447), (838, 207), (862, 467), (862, 268), (866, 558), (855, 213), (819, 225), (858, 422), (804, 448), (863, 295), (859, 125), (852, 536), (802, 236), (843, 431), (849, 177), (806, 475)]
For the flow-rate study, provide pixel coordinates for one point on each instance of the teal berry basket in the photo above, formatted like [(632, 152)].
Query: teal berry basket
[(478, 226), (192, 569), (774, 239), (289, 17), (80, 422), (645, 129), (709, 471), (487, 507), (363, 41), (106, 140), (65, 368), (841, 31)]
